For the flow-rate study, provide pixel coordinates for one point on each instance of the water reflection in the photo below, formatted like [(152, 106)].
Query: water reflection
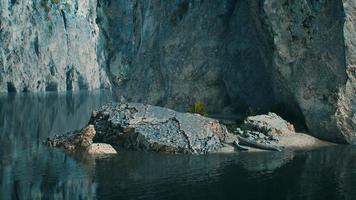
[(29, 170)]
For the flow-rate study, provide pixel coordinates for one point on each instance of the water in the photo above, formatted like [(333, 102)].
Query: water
[(30, 170)]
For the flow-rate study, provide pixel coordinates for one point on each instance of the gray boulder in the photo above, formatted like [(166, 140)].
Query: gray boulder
[(81, 141), (137, 126), (75, 140), (144, 127), (101, 148), (270, 124)]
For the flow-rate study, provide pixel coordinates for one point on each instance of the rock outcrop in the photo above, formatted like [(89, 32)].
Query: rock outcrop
[(136, 126), (313, 63), (81, 141), (296, 58), (151, 128), (271, 132), (50, 45), (175, 53), (101, 148), (140, 127), (270, 124)]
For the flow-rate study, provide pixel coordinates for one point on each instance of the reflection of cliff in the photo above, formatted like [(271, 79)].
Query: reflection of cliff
[(27, 168), (264, 175), (138, 174), (329, 174)]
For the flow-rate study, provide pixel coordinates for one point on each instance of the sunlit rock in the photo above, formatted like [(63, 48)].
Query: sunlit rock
[(101, 148), (270, 124)]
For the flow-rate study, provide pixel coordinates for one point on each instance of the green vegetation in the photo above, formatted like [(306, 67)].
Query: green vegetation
[(198, 108)]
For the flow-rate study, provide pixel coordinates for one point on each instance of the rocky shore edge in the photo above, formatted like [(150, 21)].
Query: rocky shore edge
[(139, 127)]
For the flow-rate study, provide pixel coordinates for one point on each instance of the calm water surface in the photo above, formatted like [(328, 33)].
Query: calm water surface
[(30, 170)]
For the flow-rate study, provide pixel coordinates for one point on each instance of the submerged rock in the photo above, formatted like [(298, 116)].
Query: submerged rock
[(81, 141), (137, 126)]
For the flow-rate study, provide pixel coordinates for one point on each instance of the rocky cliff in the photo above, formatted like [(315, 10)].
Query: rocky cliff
[(294, 57), (49, 45), (297, 58)]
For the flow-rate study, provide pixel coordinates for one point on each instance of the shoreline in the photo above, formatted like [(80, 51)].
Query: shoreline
[(293, 142)]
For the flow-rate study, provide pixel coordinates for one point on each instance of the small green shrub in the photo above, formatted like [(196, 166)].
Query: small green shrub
[(198, 108)]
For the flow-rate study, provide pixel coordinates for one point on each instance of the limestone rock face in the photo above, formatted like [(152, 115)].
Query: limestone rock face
[(143, 127), (49, 45), (175, 53), (346, 105), (313, 63), (296, 58)]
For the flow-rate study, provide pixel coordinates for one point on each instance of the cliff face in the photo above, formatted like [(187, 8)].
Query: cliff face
[(49, 45), (289, 56), (313, 63), (346, 105), (174, 53), (309, 63), (297, 58)]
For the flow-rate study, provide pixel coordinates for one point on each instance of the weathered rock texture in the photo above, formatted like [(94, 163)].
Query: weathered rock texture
[(174, 53), (143, 127), (49, 45), (74, 141), (101, 148), (311, 63), (270, 124), (296, 58), (81, 141), (137, 126)]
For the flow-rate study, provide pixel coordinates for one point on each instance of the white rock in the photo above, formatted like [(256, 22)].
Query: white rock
[(101, 148), (270, 124)]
